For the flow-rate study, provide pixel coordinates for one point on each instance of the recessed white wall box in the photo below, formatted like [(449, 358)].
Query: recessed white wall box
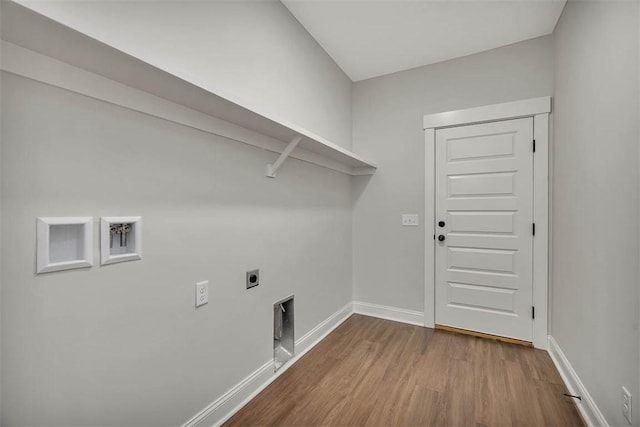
[(64, 243), (120, 239)]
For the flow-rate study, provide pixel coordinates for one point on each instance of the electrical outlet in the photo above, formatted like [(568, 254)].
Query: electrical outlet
[(202, 293), (410, 220), (626, 405), (253, 278)]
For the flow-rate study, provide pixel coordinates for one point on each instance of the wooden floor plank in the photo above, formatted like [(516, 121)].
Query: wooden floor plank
[(489, 369), (375, 372)]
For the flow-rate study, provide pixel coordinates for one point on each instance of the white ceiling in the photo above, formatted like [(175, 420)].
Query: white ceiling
[(369, 38)]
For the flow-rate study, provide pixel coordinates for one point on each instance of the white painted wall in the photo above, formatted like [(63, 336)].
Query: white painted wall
[(595, 310), (115, 345), (387, 126), (123, 344), (254, 53)]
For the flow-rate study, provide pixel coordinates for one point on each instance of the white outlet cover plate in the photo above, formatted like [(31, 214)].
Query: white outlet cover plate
[(202, 293), (410, 220)]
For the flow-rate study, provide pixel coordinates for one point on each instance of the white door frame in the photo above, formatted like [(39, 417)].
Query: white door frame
[(539, 109)]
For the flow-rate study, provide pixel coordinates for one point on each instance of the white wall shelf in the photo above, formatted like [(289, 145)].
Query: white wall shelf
[(31, 48)]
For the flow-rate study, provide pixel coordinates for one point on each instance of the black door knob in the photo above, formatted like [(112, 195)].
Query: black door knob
[(441, 237), (441, 224), (253, 278)]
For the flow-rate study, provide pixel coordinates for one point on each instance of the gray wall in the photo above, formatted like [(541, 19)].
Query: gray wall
[(115, 345), (252, 52), (595, 215), (123, 344), (387, 126)]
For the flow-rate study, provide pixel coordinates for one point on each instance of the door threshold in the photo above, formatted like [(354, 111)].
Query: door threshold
[(486, 336)]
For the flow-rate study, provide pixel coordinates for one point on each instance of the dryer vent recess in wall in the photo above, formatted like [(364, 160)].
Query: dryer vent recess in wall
[(283, 332)]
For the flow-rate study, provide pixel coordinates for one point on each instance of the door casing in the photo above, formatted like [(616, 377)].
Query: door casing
[(539, 109)]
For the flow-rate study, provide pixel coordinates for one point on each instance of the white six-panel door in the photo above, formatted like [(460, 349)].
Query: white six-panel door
[(484, 236)]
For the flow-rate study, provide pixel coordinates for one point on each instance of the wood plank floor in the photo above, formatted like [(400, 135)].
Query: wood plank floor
[(377, 372)]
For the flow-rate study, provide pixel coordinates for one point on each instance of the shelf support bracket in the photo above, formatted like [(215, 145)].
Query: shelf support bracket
[(273, 168)]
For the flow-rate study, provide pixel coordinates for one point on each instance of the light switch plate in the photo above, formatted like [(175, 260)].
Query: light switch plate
[(410, 220), (202, 293)]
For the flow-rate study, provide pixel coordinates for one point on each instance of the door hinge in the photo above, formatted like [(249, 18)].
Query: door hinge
[(533, 228), (533, 312), (534, 145)]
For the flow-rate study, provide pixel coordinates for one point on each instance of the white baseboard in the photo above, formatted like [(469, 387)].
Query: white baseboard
[(390, 313), (314, 336), (233, 400), (226, 403), (587, 407)]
